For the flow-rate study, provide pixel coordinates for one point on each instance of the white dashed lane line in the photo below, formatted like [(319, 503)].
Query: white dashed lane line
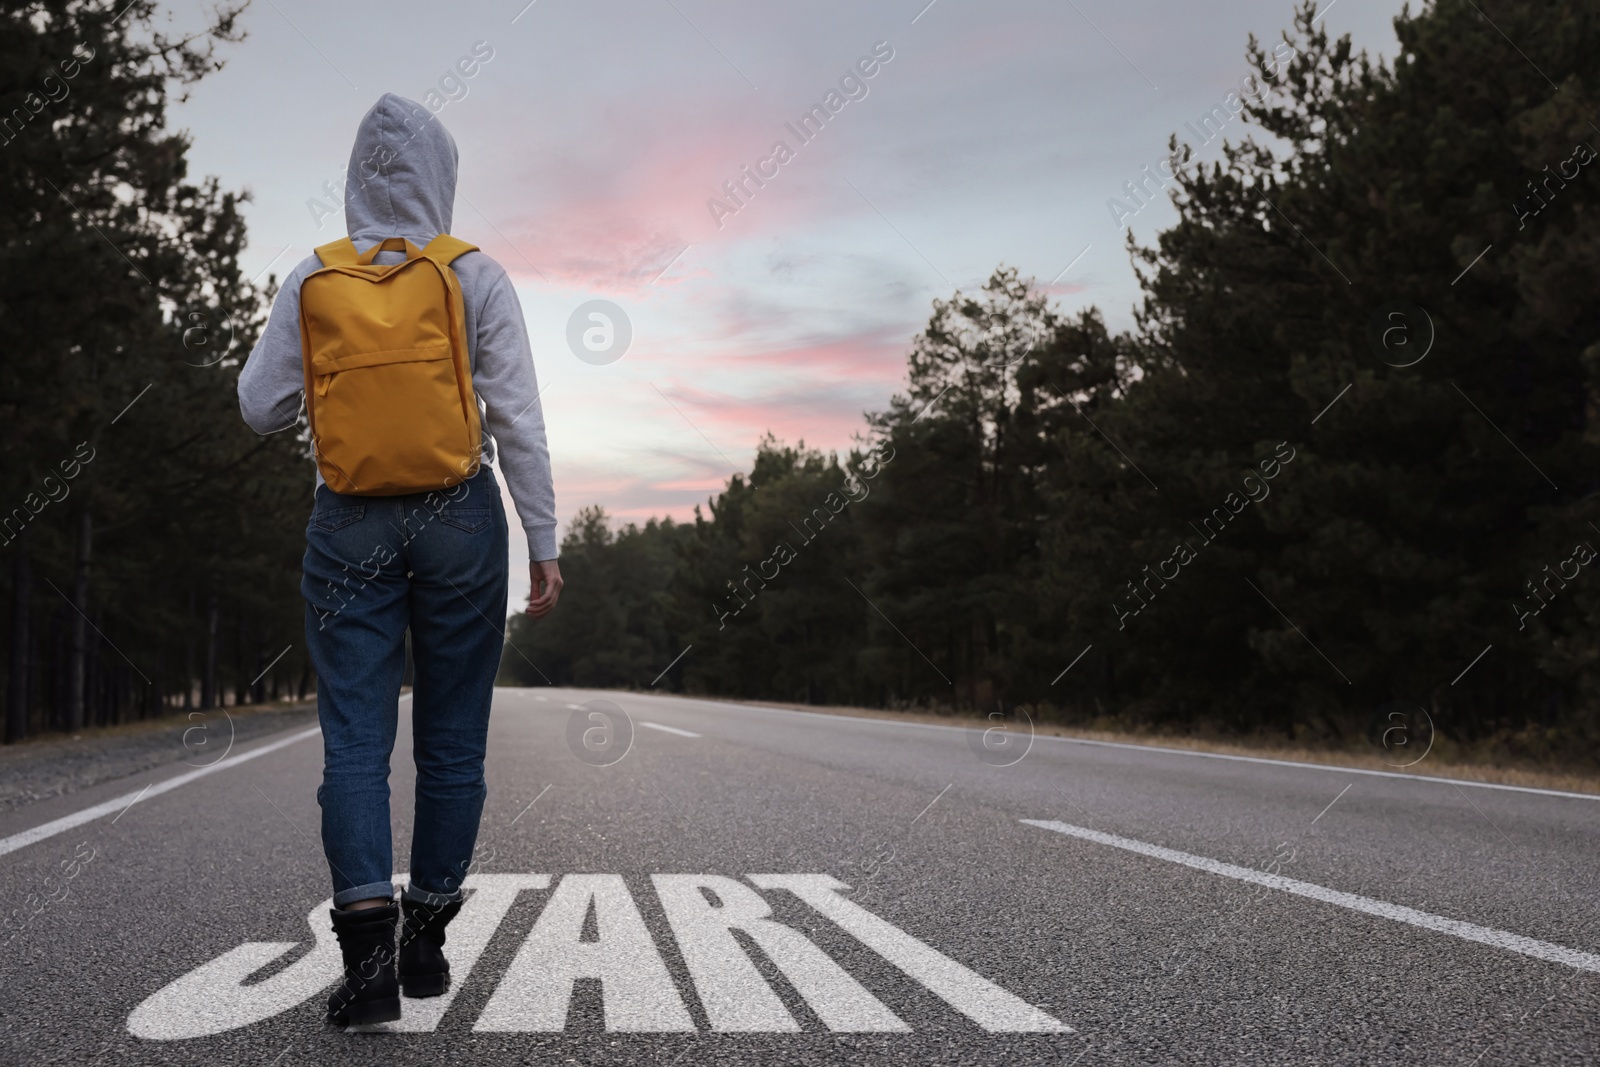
[(1484, 935), (668, 729)]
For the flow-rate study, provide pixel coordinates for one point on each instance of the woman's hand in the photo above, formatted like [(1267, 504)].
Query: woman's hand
[(545, 573)]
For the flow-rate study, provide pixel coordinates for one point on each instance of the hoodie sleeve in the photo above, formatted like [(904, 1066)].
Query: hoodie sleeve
[(504, 377), (271, 382)]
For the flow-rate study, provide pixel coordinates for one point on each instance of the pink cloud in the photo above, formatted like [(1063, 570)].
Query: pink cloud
[(824, 414), (696, 487), (815, 389), (612, 229), (637, 499), (874, 355)]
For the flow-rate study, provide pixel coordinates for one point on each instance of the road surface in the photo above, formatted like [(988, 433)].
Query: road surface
[(670, 881)]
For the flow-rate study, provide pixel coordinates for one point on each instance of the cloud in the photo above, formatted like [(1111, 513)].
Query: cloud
[(827, 415), (609, 209), (635, 498)]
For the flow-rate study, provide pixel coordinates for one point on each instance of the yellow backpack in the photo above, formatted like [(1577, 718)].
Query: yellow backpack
[(388, 381)]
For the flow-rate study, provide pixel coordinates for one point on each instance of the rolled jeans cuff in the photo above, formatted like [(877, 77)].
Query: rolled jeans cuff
[(371, 891), (430, 900)]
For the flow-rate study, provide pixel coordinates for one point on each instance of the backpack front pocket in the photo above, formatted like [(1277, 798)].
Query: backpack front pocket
[(391, 421)]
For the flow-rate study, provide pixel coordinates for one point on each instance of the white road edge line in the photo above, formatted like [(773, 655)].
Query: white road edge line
[(122, 803), (1323, 767), (668, 729), (1151, 748), (1484, 935)]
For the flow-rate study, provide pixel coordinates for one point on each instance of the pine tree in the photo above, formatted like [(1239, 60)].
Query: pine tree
[(124, 319)]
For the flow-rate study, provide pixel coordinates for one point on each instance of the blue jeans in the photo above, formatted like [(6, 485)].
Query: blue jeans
[(433, 563)]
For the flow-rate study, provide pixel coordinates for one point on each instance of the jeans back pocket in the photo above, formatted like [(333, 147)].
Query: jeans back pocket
[(470, 520), (337, 518)]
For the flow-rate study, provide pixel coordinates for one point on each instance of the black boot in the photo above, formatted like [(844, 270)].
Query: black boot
[(424, 972), (369, 992)]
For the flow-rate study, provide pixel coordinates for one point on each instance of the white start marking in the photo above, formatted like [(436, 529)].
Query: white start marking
[(638, 992), (735, 996), (214, 998), (969, 993), (470, 932)]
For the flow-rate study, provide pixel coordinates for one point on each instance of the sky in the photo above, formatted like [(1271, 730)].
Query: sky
[(594, 138)]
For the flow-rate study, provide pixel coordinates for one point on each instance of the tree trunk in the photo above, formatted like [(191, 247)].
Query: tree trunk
[(258, 686), (97, 680), (21, 668), (77, 678), (154, 703), (56, 716), (208, 682), (188, 655), (241, 694)]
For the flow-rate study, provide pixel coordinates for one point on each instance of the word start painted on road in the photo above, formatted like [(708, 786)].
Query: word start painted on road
[(637, 991)]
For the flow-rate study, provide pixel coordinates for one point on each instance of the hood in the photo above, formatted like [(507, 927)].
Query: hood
[(402, 176)]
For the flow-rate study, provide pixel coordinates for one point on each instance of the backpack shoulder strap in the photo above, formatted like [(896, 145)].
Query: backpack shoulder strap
[(447, 249), (340, 253)]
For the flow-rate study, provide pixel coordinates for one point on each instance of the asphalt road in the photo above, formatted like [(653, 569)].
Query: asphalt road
[(662, 881)]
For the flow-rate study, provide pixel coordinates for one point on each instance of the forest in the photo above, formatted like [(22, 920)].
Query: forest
[(1345, 455), (151, 540)]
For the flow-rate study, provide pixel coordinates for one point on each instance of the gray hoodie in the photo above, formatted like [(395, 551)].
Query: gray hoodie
[(402, 183)]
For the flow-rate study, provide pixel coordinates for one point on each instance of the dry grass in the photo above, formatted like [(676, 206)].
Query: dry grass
[(173, 718), (1439, 763)]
